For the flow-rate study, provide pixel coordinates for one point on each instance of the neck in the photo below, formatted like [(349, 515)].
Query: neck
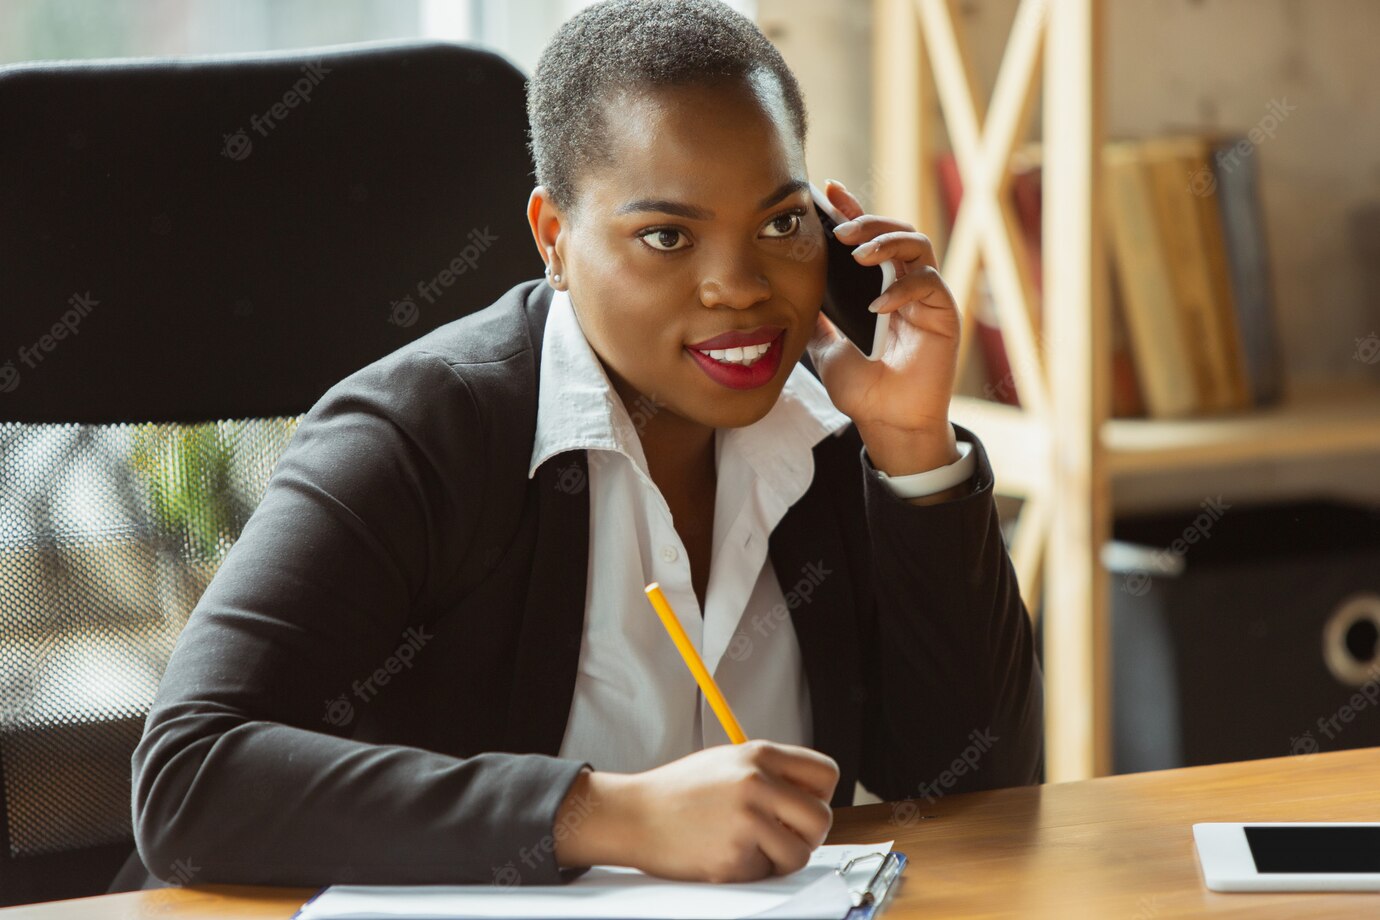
[(679, 452)]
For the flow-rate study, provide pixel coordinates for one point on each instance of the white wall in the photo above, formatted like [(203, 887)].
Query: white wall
[(826, 43)]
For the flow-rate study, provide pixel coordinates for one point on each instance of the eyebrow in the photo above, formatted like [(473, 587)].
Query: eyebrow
[(693, 212)]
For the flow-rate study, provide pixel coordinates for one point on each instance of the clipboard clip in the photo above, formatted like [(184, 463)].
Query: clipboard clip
[(877, 886)]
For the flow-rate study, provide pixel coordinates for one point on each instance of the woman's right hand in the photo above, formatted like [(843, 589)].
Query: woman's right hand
[(728, 813)]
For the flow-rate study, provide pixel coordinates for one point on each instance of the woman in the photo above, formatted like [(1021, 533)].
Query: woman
[(451, 557)]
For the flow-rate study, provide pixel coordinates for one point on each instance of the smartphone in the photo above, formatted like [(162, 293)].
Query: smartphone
[(851, 287)]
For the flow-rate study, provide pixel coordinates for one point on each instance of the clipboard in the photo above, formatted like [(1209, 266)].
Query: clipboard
[(871, 899)]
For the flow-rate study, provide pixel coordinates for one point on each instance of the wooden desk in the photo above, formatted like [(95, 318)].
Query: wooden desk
[(1119, 846)]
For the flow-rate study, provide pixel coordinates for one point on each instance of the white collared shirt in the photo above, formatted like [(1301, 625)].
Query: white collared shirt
[(636, 705)]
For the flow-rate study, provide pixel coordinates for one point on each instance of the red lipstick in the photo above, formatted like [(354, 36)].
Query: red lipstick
[(739, 376)]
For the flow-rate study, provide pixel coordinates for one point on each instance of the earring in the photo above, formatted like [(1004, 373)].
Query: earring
[(556, 279)]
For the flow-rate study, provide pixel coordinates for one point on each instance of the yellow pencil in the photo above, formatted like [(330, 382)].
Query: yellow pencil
[(695, 663)]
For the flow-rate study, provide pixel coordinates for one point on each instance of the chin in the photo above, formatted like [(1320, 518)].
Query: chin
[(750, 407)]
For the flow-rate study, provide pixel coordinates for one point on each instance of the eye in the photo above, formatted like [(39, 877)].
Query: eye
[(786, 223), (662, 239)]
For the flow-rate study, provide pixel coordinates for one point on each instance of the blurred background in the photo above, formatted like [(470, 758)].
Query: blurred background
[(1169, 66)]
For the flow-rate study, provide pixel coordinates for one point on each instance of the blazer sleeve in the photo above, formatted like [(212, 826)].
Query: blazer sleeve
[(241, 772), (955, 699)]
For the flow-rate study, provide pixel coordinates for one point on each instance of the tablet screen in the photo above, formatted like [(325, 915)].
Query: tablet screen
[(1314, 849)]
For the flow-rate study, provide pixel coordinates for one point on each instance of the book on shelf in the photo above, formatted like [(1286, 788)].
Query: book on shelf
[(1127, 398), (1192, 275), (1179, 170), (1154, 324), (1237, 185), (1027, 191), (1193, 330)]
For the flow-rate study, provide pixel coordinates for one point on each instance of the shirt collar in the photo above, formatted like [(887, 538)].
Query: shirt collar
[(577, 407)]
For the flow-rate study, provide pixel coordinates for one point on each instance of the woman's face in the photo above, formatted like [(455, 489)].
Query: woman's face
[(701, 224)]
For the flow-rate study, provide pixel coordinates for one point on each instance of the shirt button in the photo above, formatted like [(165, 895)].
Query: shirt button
[(668, 552)]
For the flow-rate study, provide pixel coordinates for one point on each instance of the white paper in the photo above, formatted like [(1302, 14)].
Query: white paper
[(815, 892)]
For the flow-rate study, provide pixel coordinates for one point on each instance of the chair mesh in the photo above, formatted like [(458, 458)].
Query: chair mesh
[(108, 536)]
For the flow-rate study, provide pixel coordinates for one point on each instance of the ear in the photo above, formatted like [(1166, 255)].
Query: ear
[(547, 223)]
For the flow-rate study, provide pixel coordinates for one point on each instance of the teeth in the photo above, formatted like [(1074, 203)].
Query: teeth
[(747, 356)]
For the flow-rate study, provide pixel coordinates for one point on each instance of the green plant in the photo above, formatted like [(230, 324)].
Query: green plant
[(189, 474)]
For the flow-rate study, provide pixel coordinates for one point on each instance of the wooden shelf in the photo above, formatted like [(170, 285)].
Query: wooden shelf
[(1061, 453), (1313, 422)]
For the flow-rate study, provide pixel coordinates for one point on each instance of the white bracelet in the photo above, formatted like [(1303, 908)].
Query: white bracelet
[(929, 482)]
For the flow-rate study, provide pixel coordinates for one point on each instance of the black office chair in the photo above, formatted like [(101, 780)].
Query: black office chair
[(191, 252)]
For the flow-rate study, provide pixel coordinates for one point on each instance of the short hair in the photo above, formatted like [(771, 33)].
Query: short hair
[(620, 45)]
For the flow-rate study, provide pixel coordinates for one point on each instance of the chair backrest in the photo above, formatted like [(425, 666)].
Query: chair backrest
[(191, 252)]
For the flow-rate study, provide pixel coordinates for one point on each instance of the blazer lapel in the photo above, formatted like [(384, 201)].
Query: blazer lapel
[(554, 612), (807, 553)]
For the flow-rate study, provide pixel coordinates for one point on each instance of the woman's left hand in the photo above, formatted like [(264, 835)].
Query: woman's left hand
[(900, 402)]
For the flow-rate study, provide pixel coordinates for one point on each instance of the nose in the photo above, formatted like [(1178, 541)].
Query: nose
[(734, 281)]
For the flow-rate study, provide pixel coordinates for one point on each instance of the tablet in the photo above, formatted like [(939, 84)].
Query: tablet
[(1289, 856)]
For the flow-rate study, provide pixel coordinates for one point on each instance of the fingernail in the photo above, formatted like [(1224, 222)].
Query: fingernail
[(880, 302), (847, 226), (866, 249)]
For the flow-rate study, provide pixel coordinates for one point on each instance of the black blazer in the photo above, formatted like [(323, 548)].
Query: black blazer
[(375, 685)]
